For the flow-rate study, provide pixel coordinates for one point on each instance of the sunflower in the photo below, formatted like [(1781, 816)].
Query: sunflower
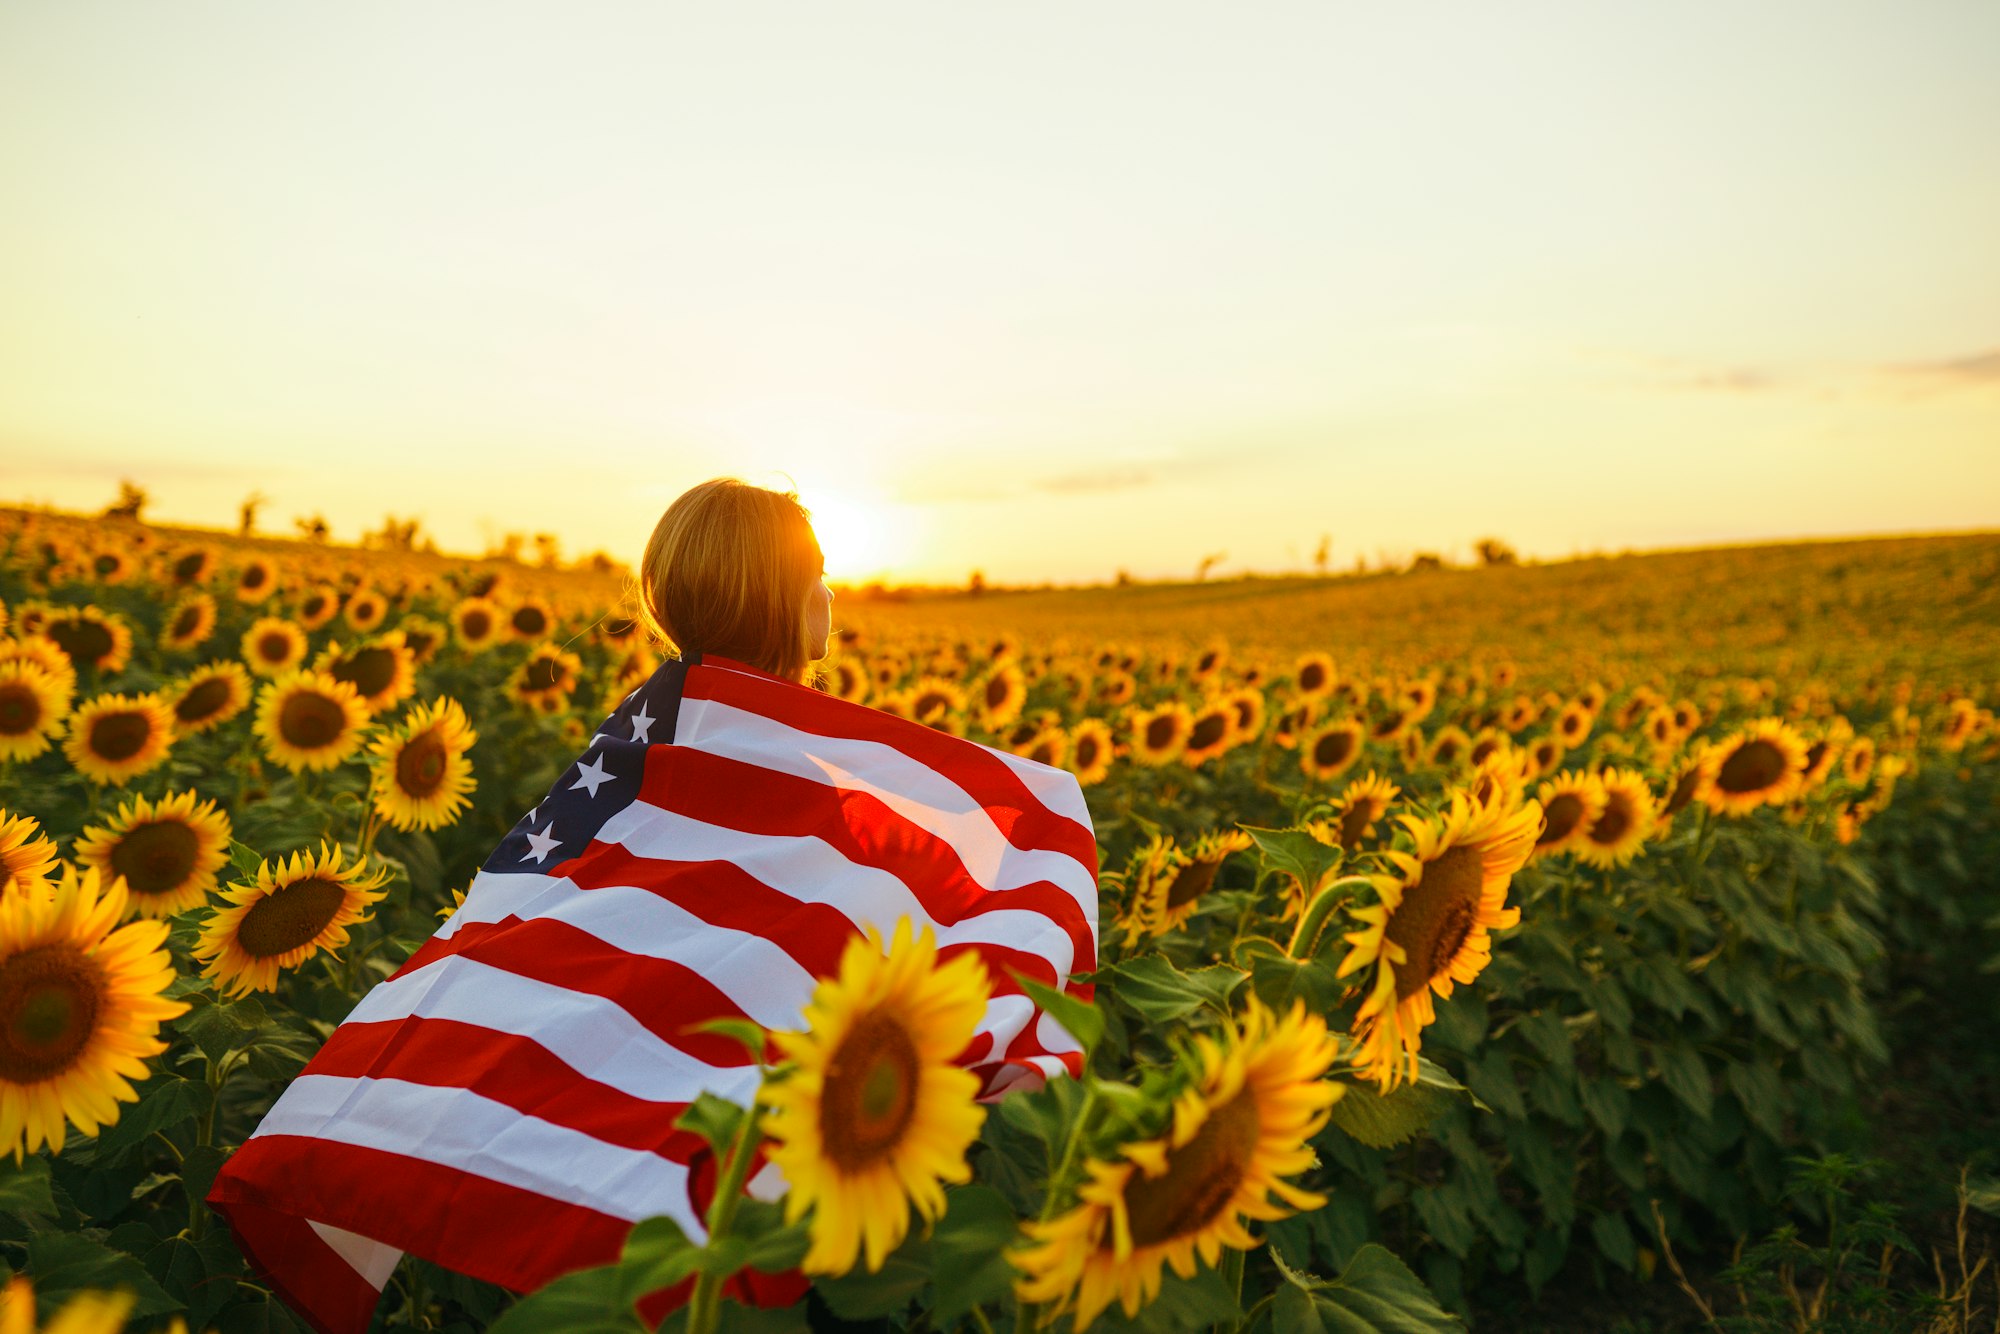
[(531, 619), (382, 670), (1027, 730), (41, 651), (80, 1008), (191, 567), (273, 646), (189, 623), (33, 705), (1544, 754), (421, 773), (1118, 687), (86, 1312), (848, 681), (91, 639), (1158, 735), (113, 739), (1429, 928), (27, 857), (545, 681), (422, 636), (1090, 751), (1761, 764), (1621, 828), (1048, 746), (1331, 750), (1168, 881), (167, 852), (1687, 717), (1001, 696), (1822, 754), (476, 622), (365, 610), (1247, 704), (320, 605), (1858, 761), (1391, 724), (1573, 724), (1419, 698), (1211, 733), (256, 581), (1449, 746), (308, 720), (1253, 1102), (1520, 714), (210, 696), (291, 911), (1312, 675), (875, 1112), (1572, 803), (1496, 778), (1360, 804)]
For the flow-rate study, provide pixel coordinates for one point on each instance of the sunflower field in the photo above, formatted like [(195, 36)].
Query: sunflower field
[(1477, 946)]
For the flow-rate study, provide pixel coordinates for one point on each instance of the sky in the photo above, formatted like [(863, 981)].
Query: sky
[(1044, 290)]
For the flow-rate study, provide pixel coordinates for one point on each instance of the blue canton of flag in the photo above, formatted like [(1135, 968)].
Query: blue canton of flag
[(600, 783)]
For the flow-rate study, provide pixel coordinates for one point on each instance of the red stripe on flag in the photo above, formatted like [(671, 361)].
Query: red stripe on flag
[(665, 997), (755, 800), (509, 1069), (309, 1275), (983, 775)]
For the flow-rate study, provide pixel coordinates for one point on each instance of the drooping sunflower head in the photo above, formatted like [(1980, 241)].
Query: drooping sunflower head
[(113, 739), (33, 704), (167, 852), (27, 856), (210, 696), (1360, 804), (92, 639), (382, 670), (1621, 828), (875, 1116), (80, 1008), (273, 646), (291, 911), (1331, 750), (1250, 1102), (189, 622), (422, 776), (1761, 764), (308, 720), (1429, 927), (1167, 881)]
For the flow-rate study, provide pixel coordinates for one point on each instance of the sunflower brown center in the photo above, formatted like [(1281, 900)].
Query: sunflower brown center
[(274, 647), (1616, 820), (49, 997), (1086, 752), (119, 736), (1209, 729), (1354, 822), (20, 709), (310, 720), (1683, 791), (205, 699), (186, 623), (1044, 753), (870, 1095), (1312, 677), (86, 642), (1435, 917), (1159, 733), (156, 858), (369, 670), (1563, 812), (1333, 749), (997, 691), (190, 567), (1191, 882), (1201, 1177), (931, 704), (255, 576), (1814, 755), (529, 621), (1751, 767), (1389, 726), (1447, 750), (290, 916), (475, 625), (543, 675), (421, 764)]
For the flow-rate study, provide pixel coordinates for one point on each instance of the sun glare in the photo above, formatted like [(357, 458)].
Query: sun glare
[(861, 540)]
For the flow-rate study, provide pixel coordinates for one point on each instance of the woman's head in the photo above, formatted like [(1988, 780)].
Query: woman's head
[(735, 570)]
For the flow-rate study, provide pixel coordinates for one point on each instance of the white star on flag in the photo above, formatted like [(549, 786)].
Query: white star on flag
[(642, 725), (592, 775), (541, 845)]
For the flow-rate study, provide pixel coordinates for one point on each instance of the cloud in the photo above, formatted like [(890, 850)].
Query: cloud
[(1096, 480), (1980, 368), (1735, 380)]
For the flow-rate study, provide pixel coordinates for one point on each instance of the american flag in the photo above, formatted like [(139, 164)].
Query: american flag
[(503, 1105)]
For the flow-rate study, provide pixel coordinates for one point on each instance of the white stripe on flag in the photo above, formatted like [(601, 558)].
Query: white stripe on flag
[(594, 1036), (459, 1129), (920, 794)]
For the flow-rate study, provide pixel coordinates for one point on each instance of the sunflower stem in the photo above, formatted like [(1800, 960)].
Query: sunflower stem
[(1232, 1274), (704, 1306), (1305, 940)]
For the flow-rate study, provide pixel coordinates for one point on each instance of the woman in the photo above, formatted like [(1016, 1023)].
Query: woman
[(504, 1104)]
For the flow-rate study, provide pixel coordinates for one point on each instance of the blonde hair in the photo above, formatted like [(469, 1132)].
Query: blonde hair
[(728, 570)]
